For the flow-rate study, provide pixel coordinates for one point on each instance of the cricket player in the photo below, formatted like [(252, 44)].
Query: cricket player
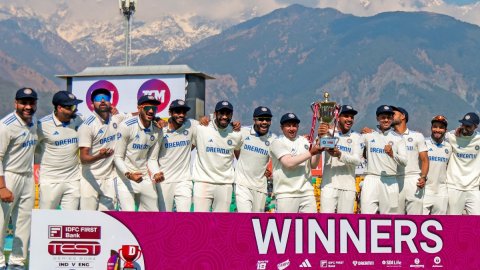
[(18, 138), (463, 176), (174, 159), (59, 176), (136, 158), (293, 161), (412, 178), (213, 170), (250, 179), (97, 138), (385, 152), (338, 180), (435, 201)]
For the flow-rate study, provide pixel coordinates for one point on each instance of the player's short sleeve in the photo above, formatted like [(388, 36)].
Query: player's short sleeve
[(279, 149), (85, 138), (422, 145)]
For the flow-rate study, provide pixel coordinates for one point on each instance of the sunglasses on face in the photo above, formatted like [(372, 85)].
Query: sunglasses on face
[(266, 119), (69, 107), (147, 108), (100, 97)]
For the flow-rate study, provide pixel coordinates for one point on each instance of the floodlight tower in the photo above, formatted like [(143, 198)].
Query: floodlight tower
[(127, 7)]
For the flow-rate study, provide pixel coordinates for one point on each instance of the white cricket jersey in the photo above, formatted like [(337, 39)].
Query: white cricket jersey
[(214, 159), (17, 144), (253, 160), (293, 182), (415, 143), (378, 162), (438, 155), (58, 148), (340, 172), (137, 147), (175, 152), (464, 165), (96, 133)]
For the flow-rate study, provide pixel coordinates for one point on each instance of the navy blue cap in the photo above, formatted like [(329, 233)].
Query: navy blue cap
[(148, 98), (262, 111), (289, 117), (100, 91), (347, 109), (24, 93), (384, 109), (402, 111), (470, 119), (223, 105), (65, 98), (179, 104)]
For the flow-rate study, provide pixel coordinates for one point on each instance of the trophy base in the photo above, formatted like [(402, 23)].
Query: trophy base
[(328, 142)]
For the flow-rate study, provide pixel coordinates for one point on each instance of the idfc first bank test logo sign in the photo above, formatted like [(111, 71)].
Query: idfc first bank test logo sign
[(106, 85), (159, 90)]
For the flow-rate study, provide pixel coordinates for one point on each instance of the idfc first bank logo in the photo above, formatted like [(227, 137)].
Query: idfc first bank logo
[(158, 89), (106, 85)]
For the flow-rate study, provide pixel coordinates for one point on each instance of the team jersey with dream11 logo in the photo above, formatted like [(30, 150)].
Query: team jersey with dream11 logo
[(378, 161), (17, 144), (58, 148), (463, 168), (415, 143), (438, 155), (96, 133), (253, 160)]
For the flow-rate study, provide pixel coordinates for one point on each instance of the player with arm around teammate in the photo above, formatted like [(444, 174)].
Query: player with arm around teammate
[(250, 179), (136, 158), (338, 180)]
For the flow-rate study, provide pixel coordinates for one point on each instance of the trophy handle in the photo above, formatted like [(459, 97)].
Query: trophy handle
[(139, 254)]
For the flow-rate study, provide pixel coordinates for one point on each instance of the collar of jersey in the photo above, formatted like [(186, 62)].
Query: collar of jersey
[(217, 128), (253, 132), (20, 120), (381, 132), (437, 144), (101, 119), (59, 123), (139, 122)]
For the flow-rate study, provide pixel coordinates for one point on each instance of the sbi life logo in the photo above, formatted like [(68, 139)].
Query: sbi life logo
[(157, 88)]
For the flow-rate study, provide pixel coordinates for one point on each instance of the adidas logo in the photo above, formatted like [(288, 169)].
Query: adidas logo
[(305, 264), (247, 139), (101, 131), (24, 134), (373, 140), (56, 133), (211, 140)]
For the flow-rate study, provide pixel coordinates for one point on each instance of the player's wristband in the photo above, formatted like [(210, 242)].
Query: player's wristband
[(424, 177), (127, 174)]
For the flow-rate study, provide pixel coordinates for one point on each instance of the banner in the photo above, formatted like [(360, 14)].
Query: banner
[(89, 240)]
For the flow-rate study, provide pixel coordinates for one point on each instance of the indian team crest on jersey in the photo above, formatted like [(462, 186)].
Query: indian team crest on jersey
[(267, 143), (119, 135), (229, 142), (390, 143), (306, 146), (349, 140), (446, 151), (114, 125), (477, 147), (185, 132), (152, 138), (410, 139)]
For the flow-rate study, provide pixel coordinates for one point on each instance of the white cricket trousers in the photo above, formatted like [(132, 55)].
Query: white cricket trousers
[(217, 197), (435, 204), (379, 194), (179, 193), (459, 200), (334, 200), (63, 194), (97, 194), (305, 204), (145, 193), (249, 200), (20, 210), (410, 199)]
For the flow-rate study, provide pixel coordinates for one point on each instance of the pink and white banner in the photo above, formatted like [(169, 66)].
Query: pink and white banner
[(253, 241)]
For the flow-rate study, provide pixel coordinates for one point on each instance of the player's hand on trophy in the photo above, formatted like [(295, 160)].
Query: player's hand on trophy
[(388, 150), (236, 125), (366, 130), (158, 177), (316, 149), (204, 120), (334, 152), (323, 129), (6, 195), (135, 176), (105, 152)]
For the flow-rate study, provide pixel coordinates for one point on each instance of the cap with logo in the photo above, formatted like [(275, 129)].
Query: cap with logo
[(223, 105), (26, 93), (179, 104), (262, 111), (402, 111), (289, 117), (440, 119), (65, 98), (384, 109), (100, 91), (347, 109), (148, 98), (470, 119)]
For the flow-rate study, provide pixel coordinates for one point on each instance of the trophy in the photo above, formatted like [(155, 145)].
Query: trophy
[(130, 253), (326, 111)]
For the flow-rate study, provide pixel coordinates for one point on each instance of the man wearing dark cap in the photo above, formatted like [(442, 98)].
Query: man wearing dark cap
[(136, 158), (18, 138), (59, 176), (412, 178), (213, 171), (293, 160), (463, 177), (97, 138), (250, 179), (338, 180), (385, 152), (435, 201), (174, 159)]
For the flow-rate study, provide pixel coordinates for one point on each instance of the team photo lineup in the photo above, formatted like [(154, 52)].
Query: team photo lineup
[(131, 161)]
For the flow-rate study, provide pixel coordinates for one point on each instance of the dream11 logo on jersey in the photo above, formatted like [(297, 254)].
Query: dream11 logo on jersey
[(157, 88), (106, 85)]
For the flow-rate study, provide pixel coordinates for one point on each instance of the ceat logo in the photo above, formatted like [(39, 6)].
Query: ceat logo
[(69, 248), (157, 88), (106, 85)]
